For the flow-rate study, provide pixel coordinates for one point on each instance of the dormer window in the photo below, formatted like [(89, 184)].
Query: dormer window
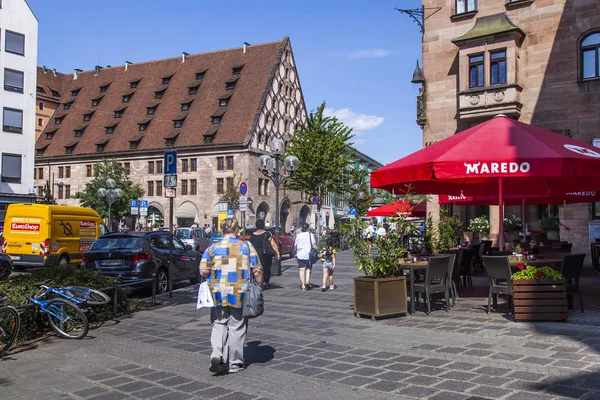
[(151, 110), (127, 97), (193, 89), (178, 123), (104, 88), (186, 106), (159, 94), (79, 131), (170, 142), (55, 93), (166, 80), (96, 102), (58, 120), (50, 134), (100, 147), (134, 84), (200, 75), (67, 106), (40, 89), (230, 85), (143, 126), (87, 117), (119, 113), (75, 92), (223, 102), (69, 149), (133, 144), (110, 129), (216, 120), (237, 70)]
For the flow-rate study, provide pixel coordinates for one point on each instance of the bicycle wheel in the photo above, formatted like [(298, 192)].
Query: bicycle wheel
[(86, 295), (66, 319), (9, 328)]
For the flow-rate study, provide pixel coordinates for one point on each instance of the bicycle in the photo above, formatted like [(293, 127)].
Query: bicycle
[(10, 322), (79, 295)]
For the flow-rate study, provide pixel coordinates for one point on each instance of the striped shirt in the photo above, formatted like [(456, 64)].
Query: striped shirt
[(230, 261)]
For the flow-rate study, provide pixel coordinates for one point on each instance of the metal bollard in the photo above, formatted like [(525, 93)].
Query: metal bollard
[(154, 283), (115, 287)]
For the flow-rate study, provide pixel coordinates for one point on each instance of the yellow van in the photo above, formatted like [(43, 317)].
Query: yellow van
[(43, 235)]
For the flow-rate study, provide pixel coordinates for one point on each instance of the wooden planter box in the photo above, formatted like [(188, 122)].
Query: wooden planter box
[(380, 297), (536, 300)]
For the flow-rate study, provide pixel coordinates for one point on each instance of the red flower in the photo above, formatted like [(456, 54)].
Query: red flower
[(521, 266), (539, 273)]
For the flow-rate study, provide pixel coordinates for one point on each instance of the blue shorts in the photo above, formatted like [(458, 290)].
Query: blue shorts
[(328, 264), (304, 264)]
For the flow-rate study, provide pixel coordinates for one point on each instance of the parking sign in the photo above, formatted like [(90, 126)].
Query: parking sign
[(170, 162), (134, 207)]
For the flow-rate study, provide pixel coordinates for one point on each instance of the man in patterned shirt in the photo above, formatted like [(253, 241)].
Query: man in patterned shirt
[(229, 263)]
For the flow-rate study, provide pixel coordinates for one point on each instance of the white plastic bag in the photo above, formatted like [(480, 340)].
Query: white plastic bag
[(205, 298)]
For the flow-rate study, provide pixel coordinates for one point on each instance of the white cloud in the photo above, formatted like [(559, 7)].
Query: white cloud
[(370, 53), (358, 122)]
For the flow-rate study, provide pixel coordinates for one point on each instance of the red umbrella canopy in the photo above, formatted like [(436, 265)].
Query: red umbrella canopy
[(512, 200), (525, 158), (400, 207)]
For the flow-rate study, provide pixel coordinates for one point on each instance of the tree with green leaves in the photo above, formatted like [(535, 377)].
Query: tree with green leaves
[(232, 192), (322, 146), (359, 176), (102, 171)]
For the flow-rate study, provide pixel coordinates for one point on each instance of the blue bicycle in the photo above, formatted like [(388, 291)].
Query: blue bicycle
[(79, 295)]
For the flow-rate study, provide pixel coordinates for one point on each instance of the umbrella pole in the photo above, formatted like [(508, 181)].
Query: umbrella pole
[(500, 215), (524, 212)]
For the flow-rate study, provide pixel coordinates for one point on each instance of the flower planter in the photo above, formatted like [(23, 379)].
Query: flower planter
[(380, 297), (540, 300)]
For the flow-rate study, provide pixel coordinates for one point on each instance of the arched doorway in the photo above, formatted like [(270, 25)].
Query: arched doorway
[(262, 211), (186, 214), (155, 216), (304, 214), (284, 212)]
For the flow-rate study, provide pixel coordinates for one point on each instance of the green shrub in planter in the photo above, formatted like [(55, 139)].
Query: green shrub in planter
[(549, 223), (540, 273), (34, 323), (480, 225), (512, 223)]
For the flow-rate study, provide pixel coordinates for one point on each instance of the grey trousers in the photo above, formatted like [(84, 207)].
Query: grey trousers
[(228, 334)]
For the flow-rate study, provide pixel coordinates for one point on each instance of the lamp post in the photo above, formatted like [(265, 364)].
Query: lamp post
[(111, 194), (270, 167), (59, 184)]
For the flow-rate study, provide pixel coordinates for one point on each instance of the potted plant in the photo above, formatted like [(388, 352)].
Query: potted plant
[(481, 226), (449, 229), (540, 294), (551, 225), (512, 225), (382, 290)]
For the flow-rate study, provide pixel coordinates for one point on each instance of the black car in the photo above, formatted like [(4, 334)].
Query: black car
[(5, 266), (137, 255)]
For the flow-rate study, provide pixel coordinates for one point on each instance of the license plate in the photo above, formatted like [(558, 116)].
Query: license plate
[(112, 262), (15, 257)]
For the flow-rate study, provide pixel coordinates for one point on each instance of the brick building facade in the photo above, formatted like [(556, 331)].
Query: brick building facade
[(219, 110), (534, 60)]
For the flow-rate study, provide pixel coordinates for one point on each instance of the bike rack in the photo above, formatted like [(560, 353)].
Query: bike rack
[(136, 282)]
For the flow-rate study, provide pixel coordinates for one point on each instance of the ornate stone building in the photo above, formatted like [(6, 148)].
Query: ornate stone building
[(534, 60), (219, 110)]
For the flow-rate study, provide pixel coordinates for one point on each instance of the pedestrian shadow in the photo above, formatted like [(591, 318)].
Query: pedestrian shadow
[(254, 353)]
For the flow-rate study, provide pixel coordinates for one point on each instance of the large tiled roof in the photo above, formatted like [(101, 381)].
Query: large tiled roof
[(201, 81), (49, 84)]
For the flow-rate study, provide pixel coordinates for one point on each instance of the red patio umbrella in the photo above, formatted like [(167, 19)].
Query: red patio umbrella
[(496, 158), (512, 200), (400, 207)]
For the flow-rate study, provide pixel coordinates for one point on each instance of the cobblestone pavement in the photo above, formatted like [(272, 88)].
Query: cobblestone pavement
[(309, 345)]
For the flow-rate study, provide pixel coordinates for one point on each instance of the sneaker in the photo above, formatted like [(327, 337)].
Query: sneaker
[(215, 365), (323, 288), (235, 368), (333, 287), (309, 286)]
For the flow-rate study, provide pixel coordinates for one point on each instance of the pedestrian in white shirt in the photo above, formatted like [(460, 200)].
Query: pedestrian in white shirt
[(303, 243), (381, 230)]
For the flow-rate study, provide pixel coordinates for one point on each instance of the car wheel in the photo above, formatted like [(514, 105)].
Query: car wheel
[(63, 261), (5, 271), (162, 281)]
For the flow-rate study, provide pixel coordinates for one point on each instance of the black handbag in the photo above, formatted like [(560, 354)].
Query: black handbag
[(313, 254), (267, 248), (254, 303)]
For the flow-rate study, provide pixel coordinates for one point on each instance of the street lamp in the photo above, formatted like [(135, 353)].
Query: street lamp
[(269, 166), (59, 184), (111, 194)]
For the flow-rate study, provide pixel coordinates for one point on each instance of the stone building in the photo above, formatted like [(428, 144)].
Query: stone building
[(219, 110), (534, 60)]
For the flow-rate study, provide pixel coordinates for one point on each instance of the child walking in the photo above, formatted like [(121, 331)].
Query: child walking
[(328, 257)]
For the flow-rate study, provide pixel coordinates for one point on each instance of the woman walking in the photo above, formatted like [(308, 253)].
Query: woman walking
[(265, 246), (229, 264), (303, 243)]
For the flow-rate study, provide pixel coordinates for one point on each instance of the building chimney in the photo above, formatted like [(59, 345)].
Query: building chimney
[(54, 71), (44, 68), (127, 64), (76, 73), (246, 44), (184, 56), (97, 69)]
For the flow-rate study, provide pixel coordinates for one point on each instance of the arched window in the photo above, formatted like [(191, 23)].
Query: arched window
[(590, 56)]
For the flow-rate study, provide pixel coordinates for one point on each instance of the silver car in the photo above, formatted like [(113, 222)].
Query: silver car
[(195, 237)]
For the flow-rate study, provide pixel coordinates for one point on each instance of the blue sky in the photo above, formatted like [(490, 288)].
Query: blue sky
[(357, 55)]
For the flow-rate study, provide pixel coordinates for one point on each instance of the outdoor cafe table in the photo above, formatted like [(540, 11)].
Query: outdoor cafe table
[(412, 267)]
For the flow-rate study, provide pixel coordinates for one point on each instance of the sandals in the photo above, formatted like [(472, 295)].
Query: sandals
[(323, 288)]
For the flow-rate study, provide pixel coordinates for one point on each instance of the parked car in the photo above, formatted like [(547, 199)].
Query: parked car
[(137, 255), (286, 241), (5, 266), (195, 237)]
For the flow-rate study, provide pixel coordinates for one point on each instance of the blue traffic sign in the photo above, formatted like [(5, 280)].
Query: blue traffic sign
[(315, 200), (352, 211), (243, 188), (230, 214), (143, 203), (134, 203), (170, 162)]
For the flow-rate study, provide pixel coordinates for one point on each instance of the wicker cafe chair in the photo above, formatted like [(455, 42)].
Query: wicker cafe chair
[(451, 285), (498, 272), (571, 269), (435, 281), (465, 257)]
